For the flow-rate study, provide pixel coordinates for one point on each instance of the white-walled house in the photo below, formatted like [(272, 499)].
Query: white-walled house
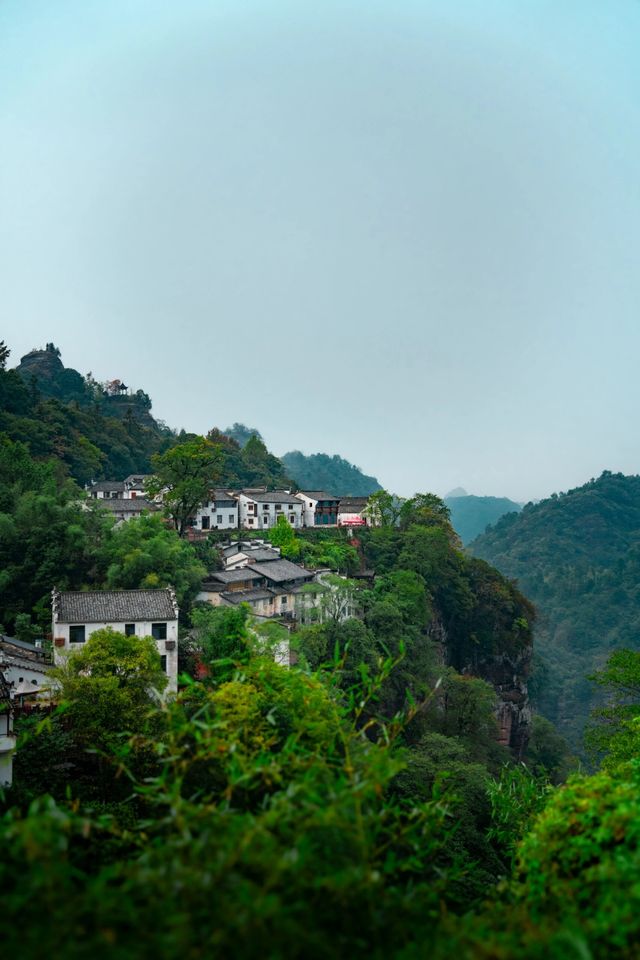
[(241, 552), (140, 613), (7, 738), (106, 490), (270, 587), (25, 668), (219, 513), (320, 509), (135, 485), (352, 512), (260, 511)]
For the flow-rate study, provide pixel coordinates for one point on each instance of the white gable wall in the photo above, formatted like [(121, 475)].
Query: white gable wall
[(143, 628)]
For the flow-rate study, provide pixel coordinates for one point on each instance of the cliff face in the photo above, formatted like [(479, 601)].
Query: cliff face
[(53, 379), (507, 675), (45, 365), (507, 672)]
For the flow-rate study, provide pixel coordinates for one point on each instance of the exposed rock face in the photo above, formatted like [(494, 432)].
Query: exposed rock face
[(507, 673), (66, 384), (45, 365), (508, 677)]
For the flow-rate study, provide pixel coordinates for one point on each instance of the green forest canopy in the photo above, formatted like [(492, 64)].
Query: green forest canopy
[(577, 557), (333, 474)]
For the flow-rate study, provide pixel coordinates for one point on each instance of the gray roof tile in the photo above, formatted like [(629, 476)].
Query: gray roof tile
[(233, 576), (113, 606), (274, 496), (280, 571), (122, 505)]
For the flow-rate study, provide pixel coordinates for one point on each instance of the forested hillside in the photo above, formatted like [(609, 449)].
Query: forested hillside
[(577, 557), (471, 515), (319, 471), (92, 432), (369, 785)]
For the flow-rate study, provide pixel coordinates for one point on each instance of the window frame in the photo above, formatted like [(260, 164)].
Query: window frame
[(77, 627)]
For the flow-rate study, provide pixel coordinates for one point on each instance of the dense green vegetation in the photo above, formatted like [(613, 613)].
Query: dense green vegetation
[(471, 515), (357, 803), (92, 434), (51, 536), (577, 557), (333, 474), (293, 814)]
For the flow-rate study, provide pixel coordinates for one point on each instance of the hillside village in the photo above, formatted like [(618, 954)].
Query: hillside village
[(251, 571), (253, 509)]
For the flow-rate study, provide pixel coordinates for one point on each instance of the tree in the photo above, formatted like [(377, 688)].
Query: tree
[(221, 636), (241, 433), (428, 510), (548, 754), (110, 686), (613, 732), (383, 509), (578, 865), (268, 809), (4, 354), (338, 601), (144, 554), (107, 692), (185, 476), (283, 535)]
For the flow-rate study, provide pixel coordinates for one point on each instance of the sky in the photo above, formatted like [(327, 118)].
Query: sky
[(406, 232)]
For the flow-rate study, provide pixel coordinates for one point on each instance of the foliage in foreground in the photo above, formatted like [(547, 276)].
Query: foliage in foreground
[(270, 812), (266, 828)]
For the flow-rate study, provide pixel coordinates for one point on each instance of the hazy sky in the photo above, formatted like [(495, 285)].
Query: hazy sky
[(405, 232)]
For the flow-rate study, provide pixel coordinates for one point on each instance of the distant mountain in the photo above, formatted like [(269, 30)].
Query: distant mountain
[(472, 515), (456, 492), (319, 471), (577, 557)]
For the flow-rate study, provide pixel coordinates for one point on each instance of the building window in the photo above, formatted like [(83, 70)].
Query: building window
[(77, 633), (205, 523), (219, 518), (283, 602), (163, 662), (129, 629), (265, 506), (231, 518), (159, 631)]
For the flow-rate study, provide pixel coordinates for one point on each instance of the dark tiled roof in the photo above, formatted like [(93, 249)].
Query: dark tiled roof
[(262, 555), (137, 478), (317, 495), (233, 576), (246, 596), (107, 485), (352, 504), (122, 505), (212, 586), (22, 645), (25, 662), (222, 495), (114, 606), (274, 496), (280, 571)]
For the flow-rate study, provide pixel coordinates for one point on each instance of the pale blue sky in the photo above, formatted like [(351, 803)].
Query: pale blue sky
[(406, 232)]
